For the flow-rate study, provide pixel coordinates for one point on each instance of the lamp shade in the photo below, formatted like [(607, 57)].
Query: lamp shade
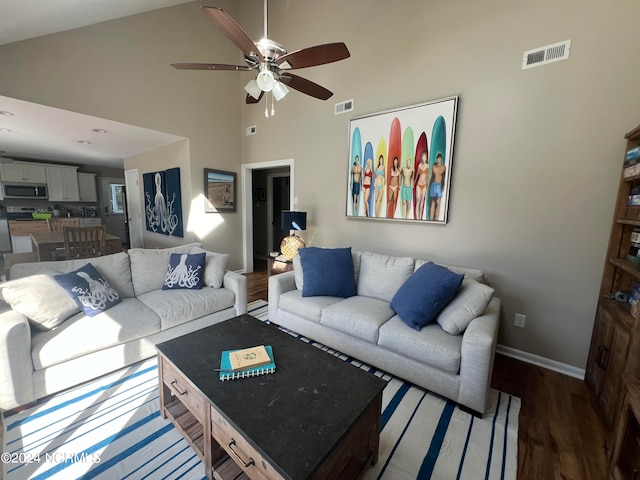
[(291, 220), (279, 91), (253, 89)]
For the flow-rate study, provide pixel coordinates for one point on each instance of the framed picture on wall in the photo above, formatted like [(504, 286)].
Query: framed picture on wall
[(219, 191), (399, 164)]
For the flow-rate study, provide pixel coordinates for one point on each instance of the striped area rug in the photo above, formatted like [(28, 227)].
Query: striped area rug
[(110, 428)]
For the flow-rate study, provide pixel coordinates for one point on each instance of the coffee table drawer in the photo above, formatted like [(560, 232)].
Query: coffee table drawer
[(245, 456), (184, 391)]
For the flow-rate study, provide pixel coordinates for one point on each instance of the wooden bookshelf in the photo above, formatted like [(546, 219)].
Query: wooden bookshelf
[(615, 343)]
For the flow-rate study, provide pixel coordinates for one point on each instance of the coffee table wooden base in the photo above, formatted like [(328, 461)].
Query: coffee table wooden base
[(227, 455)]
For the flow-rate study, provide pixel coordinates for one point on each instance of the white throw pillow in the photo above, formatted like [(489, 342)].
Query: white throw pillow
[(40, 299), (215, 266), (149, 266), (470, 301)]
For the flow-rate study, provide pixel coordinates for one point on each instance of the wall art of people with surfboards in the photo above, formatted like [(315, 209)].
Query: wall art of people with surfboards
[(408, 175)]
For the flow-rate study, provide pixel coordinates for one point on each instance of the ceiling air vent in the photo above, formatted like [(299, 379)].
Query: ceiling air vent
[(545, 55)]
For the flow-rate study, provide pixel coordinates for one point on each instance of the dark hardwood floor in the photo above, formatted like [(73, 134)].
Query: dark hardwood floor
[(560, 433)]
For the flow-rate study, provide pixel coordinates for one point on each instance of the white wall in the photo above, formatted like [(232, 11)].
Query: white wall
[(537, 153)]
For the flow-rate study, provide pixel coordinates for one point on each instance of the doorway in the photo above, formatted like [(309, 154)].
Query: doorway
[(112, 193), (251, 197), (278, 199), (134, 209)]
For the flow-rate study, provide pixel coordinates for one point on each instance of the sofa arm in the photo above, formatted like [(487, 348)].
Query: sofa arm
[(279, 284), (16, 366), (478, 351), (237, 283)]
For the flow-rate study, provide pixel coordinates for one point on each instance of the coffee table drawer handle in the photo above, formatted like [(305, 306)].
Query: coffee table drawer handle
[(245, 464), (175, 385)]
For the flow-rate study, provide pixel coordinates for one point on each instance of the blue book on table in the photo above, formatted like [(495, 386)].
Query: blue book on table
[(228, 374)]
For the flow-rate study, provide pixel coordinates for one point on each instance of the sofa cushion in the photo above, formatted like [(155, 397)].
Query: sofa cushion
[(431, 345), (114, 269), (80, 334), (149, 266), (327, 272), (214, 268), (358, 316), (470, 301), (299, 274), (425, 293), (175, 307), (477, 275), (309, 308), (88, 289), (185, 270), (382, 275), (40, 299)]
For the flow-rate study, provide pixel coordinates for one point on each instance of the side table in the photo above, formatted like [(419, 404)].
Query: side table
[(275, 267)]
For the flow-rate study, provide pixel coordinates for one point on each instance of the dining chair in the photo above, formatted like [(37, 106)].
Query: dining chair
[(84, 242), (57, 224)]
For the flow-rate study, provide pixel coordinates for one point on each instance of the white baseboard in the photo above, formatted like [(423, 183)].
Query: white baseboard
[(559, 367)]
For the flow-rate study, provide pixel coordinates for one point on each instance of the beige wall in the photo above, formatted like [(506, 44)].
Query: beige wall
[(537, 152)]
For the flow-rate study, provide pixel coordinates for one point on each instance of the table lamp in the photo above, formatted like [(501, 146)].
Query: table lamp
[(292, 220)]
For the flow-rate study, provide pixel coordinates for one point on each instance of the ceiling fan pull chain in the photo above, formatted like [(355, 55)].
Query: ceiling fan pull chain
[(266, 106), (273, 108)]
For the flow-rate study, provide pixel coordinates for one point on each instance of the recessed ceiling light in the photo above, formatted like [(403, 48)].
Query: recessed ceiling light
[(99, 130), (4, 130), (84, 142), (4, 112)]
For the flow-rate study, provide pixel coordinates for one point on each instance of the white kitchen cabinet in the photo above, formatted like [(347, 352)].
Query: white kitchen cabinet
[(87, 187), (21, 244), (62, 183), (23, 173)]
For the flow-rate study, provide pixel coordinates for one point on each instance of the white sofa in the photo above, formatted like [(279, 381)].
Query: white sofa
[(364, 326), (35, 363)]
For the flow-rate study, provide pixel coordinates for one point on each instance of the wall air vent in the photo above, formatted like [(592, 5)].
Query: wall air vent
[(346, 106), (545, 55)]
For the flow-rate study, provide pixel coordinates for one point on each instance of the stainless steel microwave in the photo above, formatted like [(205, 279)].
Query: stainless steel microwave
[(24, 190)]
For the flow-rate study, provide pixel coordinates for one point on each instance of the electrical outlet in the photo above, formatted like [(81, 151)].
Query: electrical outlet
[(520, 320)]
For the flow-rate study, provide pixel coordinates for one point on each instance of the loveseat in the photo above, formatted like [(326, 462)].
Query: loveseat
[(456, 363), (53, 344)]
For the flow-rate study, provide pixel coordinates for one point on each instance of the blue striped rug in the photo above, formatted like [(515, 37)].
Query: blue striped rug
[(110, 428)]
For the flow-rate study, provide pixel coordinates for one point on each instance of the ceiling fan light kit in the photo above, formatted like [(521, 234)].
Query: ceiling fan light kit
[(253, 89), (271, 60), (265, 80), (279, 91)]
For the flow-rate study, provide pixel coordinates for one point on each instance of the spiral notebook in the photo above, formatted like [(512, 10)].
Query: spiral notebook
[(227, 372)]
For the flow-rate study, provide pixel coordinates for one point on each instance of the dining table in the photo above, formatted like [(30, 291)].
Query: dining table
[(44, 243)]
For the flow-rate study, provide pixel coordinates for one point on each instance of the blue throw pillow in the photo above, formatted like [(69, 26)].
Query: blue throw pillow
[(185, 271), (419, 300), (327, 272), (89, 290)]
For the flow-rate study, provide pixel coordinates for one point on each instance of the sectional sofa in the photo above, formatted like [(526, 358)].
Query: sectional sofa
[(451, 356), (48, 344)]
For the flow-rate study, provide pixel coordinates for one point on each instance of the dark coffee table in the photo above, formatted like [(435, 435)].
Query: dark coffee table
[(316, 417)]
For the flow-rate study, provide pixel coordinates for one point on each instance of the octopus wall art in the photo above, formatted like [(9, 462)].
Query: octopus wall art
[(163, 202)]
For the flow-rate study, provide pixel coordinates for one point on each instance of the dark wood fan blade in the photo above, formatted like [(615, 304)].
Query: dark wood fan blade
[(305, 86), (233, 31), (251, 100), (318, 55), (209, 66)]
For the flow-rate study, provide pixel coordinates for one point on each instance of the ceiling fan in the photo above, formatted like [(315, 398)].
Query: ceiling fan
[(271, 60)]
